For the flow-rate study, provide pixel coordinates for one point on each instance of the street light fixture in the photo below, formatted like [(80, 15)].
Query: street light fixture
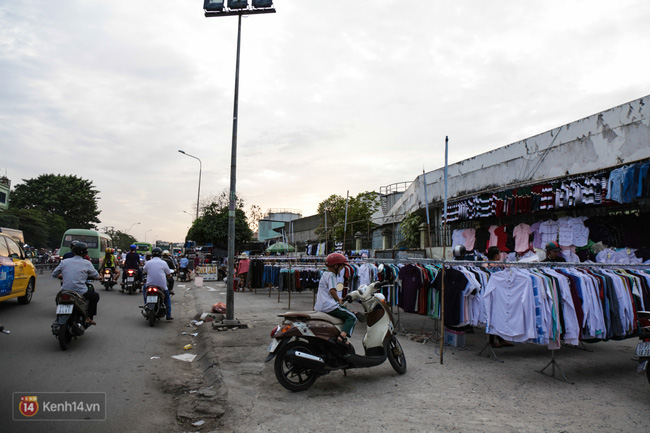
[(127, 232), (216, 8), (200, 169)]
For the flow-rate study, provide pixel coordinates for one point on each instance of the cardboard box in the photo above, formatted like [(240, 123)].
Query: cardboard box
[(454, 338)]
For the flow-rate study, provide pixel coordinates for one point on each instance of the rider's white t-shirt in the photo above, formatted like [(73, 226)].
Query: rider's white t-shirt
[(324, 301)]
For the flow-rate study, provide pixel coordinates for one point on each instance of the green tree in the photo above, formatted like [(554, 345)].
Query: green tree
[(40, 228), (70, 197), (121, 240), (410, 228), (360, 211), (212, 226)]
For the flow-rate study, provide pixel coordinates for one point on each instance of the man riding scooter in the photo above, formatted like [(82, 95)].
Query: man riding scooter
[(170, 278), (132, 261), (75, 271), (157, 272)]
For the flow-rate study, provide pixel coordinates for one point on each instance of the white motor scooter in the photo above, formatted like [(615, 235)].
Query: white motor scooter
[(306, 344)]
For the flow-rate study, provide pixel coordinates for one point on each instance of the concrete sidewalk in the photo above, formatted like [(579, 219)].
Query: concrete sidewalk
[(241, 393)]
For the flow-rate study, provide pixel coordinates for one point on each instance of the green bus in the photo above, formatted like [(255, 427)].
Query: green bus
[(97, 243), (142, 248)]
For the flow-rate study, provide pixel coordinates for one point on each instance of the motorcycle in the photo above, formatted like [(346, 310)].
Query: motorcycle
[(132, 281), (71, 317), (643, 348), (183, 275), (305, 345), (107, 279), (154, 307)]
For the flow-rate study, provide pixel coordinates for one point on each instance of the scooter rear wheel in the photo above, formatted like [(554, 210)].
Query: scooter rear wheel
[(151, 317), (293, 377), (64, 337), (395, 355)]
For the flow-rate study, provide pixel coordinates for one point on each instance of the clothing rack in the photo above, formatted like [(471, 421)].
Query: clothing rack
[(552, 363)]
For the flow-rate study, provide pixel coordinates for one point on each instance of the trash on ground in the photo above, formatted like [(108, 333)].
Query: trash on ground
[(197, 322), (183, 333), (219, 307), (155, 357), (194, 334), (198, 423), (187, 347), (187, 357)]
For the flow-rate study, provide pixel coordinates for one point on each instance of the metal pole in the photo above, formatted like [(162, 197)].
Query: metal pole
[(426, 203), (444, 257), (345, 223), (198, 194), (230, 294)]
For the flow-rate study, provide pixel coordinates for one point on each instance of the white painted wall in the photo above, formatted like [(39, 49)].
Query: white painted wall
[(612, 137)]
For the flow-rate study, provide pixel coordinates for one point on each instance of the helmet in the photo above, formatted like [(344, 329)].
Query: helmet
[(552, 246), (73, 243), (109, 250), (165, 253), (132, 247), (80, 249), (459, 251), (156, 252), (243, 256), (335, 259)]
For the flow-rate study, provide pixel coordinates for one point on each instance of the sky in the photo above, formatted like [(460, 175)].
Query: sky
[(334, 96)]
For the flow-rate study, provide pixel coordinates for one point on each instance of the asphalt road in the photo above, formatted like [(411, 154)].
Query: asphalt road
[(114, 357)]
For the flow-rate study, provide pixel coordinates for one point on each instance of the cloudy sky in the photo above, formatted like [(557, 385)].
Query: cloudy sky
[(335, 96)]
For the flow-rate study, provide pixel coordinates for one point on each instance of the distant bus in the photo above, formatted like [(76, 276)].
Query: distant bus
[(142, 248), (97, 243)]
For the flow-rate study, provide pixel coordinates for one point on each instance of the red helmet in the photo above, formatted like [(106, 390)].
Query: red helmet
[(336, 259), (552, 246)]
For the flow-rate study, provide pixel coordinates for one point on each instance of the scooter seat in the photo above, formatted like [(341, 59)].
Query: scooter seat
[(311, 315)]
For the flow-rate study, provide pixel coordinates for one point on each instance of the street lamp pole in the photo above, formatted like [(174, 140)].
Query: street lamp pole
[(198, 195), (127, 232), (219, 11), (145, 234)]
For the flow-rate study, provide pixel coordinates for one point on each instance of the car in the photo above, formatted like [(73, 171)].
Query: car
[(17, 273)]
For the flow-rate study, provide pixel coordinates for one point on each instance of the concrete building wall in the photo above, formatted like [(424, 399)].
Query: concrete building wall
[(612, 137)]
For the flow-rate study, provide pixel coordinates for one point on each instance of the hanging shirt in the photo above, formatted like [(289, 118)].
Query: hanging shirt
[(509, 306)]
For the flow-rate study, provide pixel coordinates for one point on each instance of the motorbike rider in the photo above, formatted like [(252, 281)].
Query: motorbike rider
[(184, 264), (328, 300), (131, 261), (157, 272), (170, 262), (553, 253), (110, 262), (75, 272)]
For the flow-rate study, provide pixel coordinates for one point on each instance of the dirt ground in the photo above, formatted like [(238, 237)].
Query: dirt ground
[(467, 393)]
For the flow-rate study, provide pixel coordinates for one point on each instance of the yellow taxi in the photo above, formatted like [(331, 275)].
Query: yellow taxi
[(17, 273)]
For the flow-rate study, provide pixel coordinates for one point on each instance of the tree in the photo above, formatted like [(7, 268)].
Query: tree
[(40, 228), (360, 211), (121, 240), (71, 197), (212, 226), (410, 228)]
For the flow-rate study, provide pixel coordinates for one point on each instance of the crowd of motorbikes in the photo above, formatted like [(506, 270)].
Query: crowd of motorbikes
[(71, 308)]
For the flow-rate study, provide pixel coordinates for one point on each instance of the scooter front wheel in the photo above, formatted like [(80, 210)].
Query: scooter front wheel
[(294, 377), (396, 355)]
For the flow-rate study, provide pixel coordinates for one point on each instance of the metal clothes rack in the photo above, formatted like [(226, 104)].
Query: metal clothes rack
[(552, 363)]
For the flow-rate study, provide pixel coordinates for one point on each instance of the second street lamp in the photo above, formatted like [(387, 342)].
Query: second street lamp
[(198, 195)]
